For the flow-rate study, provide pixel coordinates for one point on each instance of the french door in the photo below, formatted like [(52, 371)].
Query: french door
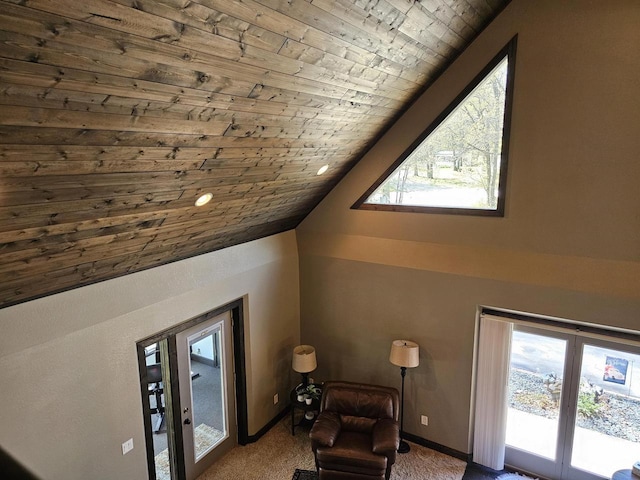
[(193, 385), (574, 404), (205, 373)]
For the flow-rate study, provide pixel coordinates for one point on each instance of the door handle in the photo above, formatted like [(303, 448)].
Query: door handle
[(187, 421)]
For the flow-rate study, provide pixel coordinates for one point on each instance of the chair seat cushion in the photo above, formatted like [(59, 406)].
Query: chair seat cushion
[(352, 452)]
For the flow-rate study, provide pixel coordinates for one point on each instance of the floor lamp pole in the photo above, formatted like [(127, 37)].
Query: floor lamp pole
[(404, 446)]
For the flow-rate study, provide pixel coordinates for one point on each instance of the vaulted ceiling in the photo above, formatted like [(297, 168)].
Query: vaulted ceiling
[(116, 115)]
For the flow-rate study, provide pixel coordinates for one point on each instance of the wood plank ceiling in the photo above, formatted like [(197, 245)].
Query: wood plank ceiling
[(115, 115)]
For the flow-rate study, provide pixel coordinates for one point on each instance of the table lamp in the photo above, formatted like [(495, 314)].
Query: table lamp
[(304, 361)]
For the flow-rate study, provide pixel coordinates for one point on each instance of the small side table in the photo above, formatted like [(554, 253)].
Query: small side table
[(624, 475), (296, 405)]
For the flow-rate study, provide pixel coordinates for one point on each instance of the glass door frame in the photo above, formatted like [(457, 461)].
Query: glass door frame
[(236, 308), (584, 334)]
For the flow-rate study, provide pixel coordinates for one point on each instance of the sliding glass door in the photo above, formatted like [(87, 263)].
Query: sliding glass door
[(574, 405)]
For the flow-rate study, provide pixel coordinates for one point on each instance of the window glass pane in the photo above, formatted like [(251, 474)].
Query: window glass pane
[(535, 392), (458, 164)]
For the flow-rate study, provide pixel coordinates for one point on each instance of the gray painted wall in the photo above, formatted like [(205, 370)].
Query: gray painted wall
[(69, 385), (567, 247), (353, 310)]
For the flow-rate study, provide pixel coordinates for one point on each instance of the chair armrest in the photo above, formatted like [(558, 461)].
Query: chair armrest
[(386, 437), (325, 430)]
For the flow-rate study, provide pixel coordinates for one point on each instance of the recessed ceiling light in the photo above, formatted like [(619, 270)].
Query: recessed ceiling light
[(323, 169), (204, 199)]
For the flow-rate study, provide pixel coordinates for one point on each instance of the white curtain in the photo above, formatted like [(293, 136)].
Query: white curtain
[(492, 376)]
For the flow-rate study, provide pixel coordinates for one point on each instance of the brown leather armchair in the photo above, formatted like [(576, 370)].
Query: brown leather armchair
[(356, 435)]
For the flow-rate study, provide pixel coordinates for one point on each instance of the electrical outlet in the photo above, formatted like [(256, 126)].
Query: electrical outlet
[(127, 446), (275, 399), (424, 420)]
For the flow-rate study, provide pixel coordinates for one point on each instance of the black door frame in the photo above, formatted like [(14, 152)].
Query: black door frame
[(237, 321)]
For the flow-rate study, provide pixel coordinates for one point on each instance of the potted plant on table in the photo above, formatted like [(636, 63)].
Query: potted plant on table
[(314, 391), (310, 392)]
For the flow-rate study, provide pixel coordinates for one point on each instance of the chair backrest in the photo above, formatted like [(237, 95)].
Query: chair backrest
[(360, 405)]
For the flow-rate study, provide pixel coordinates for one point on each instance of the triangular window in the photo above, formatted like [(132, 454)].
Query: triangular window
[(459, 164)]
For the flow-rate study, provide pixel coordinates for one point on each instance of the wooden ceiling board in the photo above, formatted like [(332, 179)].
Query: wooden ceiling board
[(115, 115)]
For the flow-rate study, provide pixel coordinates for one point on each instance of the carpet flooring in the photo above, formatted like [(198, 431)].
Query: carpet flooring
[(274, 457), (278, 454)]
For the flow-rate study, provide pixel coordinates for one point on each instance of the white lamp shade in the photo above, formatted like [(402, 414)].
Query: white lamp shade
[(405, 353), (304, 359)]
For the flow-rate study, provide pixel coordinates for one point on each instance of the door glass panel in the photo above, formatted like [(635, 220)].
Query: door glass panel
[(207, 390), (607, 427), (535, 393)]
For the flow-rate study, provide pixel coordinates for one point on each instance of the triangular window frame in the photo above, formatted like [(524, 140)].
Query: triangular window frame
[(508, 52)]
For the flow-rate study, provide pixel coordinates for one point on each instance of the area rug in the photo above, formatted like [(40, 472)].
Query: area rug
[(304, 475), (205, 437)]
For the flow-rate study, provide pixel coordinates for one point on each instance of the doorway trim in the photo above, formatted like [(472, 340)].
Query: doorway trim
[(236, 308)]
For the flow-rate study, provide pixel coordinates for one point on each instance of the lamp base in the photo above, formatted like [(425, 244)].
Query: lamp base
[(404, 447)]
